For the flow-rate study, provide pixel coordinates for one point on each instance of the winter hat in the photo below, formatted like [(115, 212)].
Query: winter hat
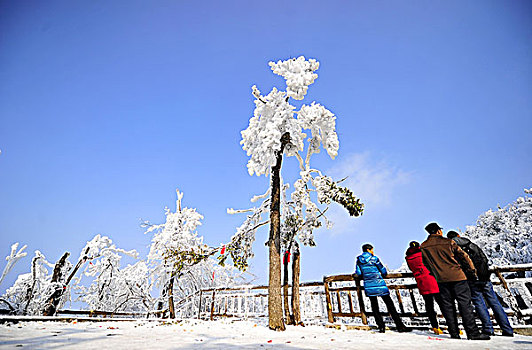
[(432, 228)]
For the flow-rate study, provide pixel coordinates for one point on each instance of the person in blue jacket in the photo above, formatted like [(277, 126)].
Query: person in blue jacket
[(370, 268)]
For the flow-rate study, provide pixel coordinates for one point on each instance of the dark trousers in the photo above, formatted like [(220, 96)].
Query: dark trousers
[(429, 307), (391, 310), (459, 291)]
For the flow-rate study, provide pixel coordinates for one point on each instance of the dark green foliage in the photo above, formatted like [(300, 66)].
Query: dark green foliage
[(187, 258)]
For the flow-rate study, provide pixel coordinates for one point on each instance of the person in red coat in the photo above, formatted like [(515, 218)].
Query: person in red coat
[(426, 283)]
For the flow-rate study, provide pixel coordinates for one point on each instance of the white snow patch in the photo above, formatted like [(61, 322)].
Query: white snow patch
[(226, 334)]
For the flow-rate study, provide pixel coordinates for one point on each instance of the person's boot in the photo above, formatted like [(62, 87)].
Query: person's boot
[(505, 334), (478, 336), (382, 329), (404, 329), (455, 336), (437, 331)]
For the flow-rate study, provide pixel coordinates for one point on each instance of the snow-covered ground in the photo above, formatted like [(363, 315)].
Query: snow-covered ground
[(225, 334)]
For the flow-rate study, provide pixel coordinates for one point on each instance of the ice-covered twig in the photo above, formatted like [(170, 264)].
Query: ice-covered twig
[(300, 160), (12, 259), (264, 195), (232, 211)]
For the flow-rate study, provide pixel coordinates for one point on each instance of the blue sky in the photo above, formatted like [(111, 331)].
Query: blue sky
[(107, 107)]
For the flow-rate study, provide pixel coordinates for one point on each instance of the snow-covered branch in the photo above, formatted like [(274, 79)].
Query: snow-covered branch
[(12, 259)]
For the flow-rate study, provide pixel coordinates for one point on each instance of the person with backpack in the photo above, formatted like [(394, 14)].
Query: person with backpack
[(482, 289), (449, 264), (426, 283), (370, 268)]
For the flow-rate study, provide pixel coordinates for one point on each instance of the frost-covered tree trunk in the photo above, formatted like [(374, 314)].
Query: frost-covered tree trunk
[(296, 271), (275, 302), (30, 292), (170, 291), (50, 307)]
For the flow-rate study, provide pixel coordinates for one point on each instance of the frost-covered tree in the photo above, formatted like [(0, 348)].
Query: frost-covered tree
[(505, 234), (180, 261), (64, 273), (47, 287), (30, 289), (277, 129), (113, 288)]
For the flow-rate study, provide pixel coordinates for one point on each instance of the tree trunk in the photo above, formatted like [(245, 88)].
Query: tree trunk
[(275, 302), (296, 270), (81, 261), (170, 294), (50, 308), (288, 316), (29, 292)]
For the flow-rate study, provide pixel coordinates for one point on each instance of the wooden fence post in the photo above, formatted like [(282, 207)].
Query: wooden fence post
[(199, 308), (361, 301), (328, 298), (513, 304), (350, 302), (400, 300), (212, 305), (416, 310)]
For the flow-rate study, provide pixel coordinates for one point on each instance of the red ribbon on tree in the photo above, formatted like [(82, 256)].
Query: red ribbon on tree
[(213, 275), (223, 250), (286, 259)]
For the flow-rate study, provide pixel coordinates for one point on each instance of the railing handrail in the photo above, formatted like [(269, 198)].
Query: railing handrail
[(497, 270)]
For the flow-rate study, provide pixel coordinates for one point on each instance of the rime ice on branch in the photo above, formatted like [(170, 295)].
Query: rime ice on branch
[(12, 259)]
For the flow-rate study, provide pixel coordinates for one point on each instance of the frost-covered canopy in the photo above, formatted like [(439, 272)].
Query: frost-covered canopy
[(177, 252), (321, 122), (505, 234), (298, 73), (177, 233), (274, 116)]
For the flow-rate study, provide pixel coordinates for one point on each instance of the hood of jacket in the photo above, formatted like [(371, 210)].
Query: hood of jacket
[(364, 257), (462, 241)]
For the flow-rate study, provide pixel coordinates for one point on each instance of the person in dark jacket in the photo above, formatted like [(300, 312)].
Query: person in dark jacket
[(482, 289), (370, 268), (426, 283), (445, 260)]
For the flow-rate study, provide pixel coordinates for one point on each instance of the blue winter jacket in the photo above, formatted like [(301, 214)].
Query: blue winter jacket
[(372, 271)]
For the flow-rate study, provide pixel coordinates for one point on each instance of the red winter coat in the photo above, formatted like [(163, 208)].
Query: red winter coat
[(425, 282)]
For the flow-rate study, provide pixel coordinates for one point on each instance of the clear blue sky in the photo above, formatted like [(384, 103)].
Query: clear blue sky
[(107, 107)]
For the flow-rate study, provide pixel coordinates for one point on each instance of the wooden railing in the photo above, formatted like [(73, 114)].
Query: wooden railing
[(337, 296), (345, 296), (252, 301)]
